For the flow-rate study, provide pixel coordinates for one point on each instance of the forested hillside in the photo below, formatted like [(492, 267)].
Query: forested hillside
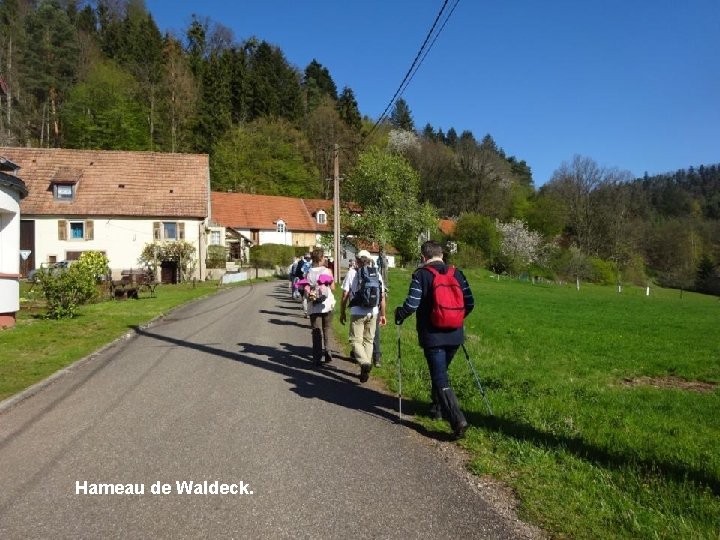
[(102, 75)]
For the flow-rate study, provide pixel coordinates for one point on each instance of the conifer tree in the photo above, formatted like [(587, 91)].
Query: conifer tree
[(401, 118)]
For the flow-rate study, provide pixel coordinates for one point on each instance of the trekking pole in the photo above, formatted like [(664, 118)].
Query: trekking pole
[(477, 380), (399, 371)]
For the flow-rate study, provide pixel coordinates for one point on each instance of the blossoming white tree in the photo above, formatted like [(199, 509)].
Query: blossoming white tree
[(519, 246)]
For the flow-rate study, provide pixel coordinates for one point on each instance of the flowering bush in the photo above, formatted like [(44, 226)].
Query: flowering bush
[(519, 246)]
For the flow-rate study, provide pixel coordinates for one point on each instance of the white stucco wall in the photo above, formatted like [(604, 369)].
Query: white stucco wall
[(122, 240), (9, 251)]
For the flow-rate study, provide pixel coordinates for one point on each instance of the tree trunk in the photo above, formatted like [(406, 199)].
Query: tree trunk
[(9, 90)]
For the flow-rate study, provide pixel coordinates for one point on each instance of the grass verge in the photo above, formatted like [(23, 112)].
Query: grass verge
[(606, 404), (37, 347)]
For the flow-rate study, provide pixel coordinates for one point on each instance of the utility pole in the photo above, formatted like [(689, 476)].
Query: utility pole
[(336, 212)]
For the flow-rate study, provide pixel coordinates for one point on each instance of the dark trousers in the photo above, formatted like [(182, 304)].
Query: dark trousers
[(321, 324), (438, 360)]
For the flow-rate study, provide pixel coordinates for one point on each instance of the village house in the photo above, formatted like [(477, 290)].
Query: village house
[(115, 202), (254, 220), (12, 191), (248, 220)]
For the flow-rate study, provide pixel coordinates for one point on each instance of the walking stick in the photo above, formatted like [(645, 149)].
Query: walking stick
[(399, 371), (477, 380)]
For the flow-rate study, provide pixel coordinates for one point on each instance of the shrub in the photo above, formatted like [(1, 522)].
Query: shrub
[(95, 262), (571, 263), (634, 271), (271, 255), (67, 290), (180, 251), (602, 272), (216, 256), (467, 256)]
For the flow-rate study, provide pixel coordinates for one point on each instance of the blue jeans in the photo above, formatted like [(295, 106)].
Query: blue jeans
[(438, 359)]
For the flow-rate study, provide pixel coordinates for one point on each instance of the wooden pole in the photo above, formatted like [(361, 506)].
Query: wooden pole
[(336, 212)]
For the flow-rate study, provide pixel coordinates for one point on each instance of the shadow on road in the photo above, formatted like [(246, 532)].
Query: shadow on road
[(332, 382)]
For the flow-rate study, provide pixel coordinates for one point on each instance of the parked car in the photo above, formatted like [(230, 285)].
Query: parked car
[(48, 267)]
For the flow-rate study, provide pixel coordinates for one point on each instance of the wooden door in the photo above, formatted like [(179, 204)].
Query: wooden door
[(27, 242)]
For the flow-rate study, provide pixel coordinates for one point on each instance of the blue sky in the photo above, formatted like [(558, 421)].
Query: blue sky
[(632, 84)]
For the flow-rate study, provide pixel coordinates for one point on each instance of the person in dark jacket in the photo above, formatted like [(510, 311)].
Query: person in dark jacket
[(439, 345)]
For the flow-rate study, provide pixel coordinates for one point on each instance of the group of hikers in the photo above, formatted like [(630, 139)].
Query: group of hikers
[(439, 295)]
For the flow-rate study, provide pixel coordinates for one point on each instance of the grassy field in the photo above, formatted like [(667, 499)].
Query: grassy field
[(607, 409)]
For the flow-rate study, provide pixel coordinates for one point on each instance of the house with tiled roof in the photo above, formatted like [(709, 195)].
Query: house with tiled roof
[(447, 226), (268, 219), (115, 202)]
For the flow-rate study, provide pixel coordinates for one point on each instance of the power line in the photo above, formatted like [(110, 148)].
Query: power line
[(417, 62), (431, 45)]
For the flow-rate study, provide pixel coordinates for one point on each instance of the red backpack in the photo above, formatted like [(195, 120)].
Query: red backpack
[(448, 310)]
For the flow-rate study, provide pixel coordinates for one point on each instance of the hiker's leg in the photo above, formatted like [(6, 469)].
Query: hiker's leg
[(327, 328), (357, 332), (437, 364), (316, 325), (449, 355), (377, 354), (438, 359), (369, 335)]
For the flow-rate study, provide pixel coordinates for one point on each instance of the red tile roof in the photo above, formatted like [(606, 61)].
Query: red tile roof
[(447, 226), (247, 211), (113, 183)]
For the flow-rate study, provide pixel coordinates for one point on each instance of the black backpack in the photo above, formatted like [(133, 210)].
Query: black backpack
[(368, 293)]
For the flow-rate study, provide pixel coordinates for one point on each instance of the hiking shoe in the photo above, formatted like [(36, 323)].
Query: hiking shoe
[(459, 430), (328, 357), (365, 372), (376, 362), (436, 411)]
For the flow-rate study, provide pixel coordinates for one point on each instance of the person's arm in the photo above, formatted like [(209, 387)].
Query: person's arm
[(383, 306), (347, 287), (412, 301), (343, 305), (468, 298)]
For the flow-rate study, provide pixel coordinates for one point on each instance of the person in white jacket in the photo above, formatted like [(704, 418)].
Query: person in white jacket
[(321, 303)]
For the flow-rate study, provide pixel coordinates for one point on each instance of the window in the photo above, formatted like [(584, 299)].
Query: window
[(76, 230), (280, 226), (321, 217), (215, 238), (168, 230), (63, 192)]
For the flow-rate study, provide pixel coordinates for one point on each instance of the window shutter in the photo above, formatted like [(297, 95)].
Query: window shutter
[(156, 230), (89, 230), (181, 231), (62, 229)]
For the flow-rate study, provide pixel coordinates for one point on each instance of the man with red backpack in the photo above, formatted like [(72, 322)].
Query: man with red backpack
[(442, 298)]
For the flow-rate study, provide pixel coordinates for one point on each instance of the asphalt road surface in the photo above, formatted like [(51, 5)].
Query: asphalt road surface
[(221, 393)]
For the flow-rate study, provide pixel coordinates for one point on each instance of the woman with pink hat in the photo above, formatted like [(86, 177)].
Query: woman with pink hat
[(321, 302)]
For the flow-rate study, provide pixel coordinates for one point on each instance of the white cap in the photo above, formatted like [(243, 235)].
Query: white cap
[(363, 254)]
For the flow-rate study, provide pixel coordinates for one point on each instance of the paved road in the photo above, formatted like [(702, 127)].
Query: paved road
[(223, 390)]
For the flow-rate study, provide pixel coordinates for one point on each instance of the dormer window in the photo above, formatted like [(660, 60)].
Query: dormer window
[(64, 183), (280, 226), (321, 217), (64, 192)]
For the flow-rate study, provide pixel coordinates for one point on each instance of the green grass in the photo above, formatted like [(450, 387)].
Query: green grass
[(37, 347), (588, 454)]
